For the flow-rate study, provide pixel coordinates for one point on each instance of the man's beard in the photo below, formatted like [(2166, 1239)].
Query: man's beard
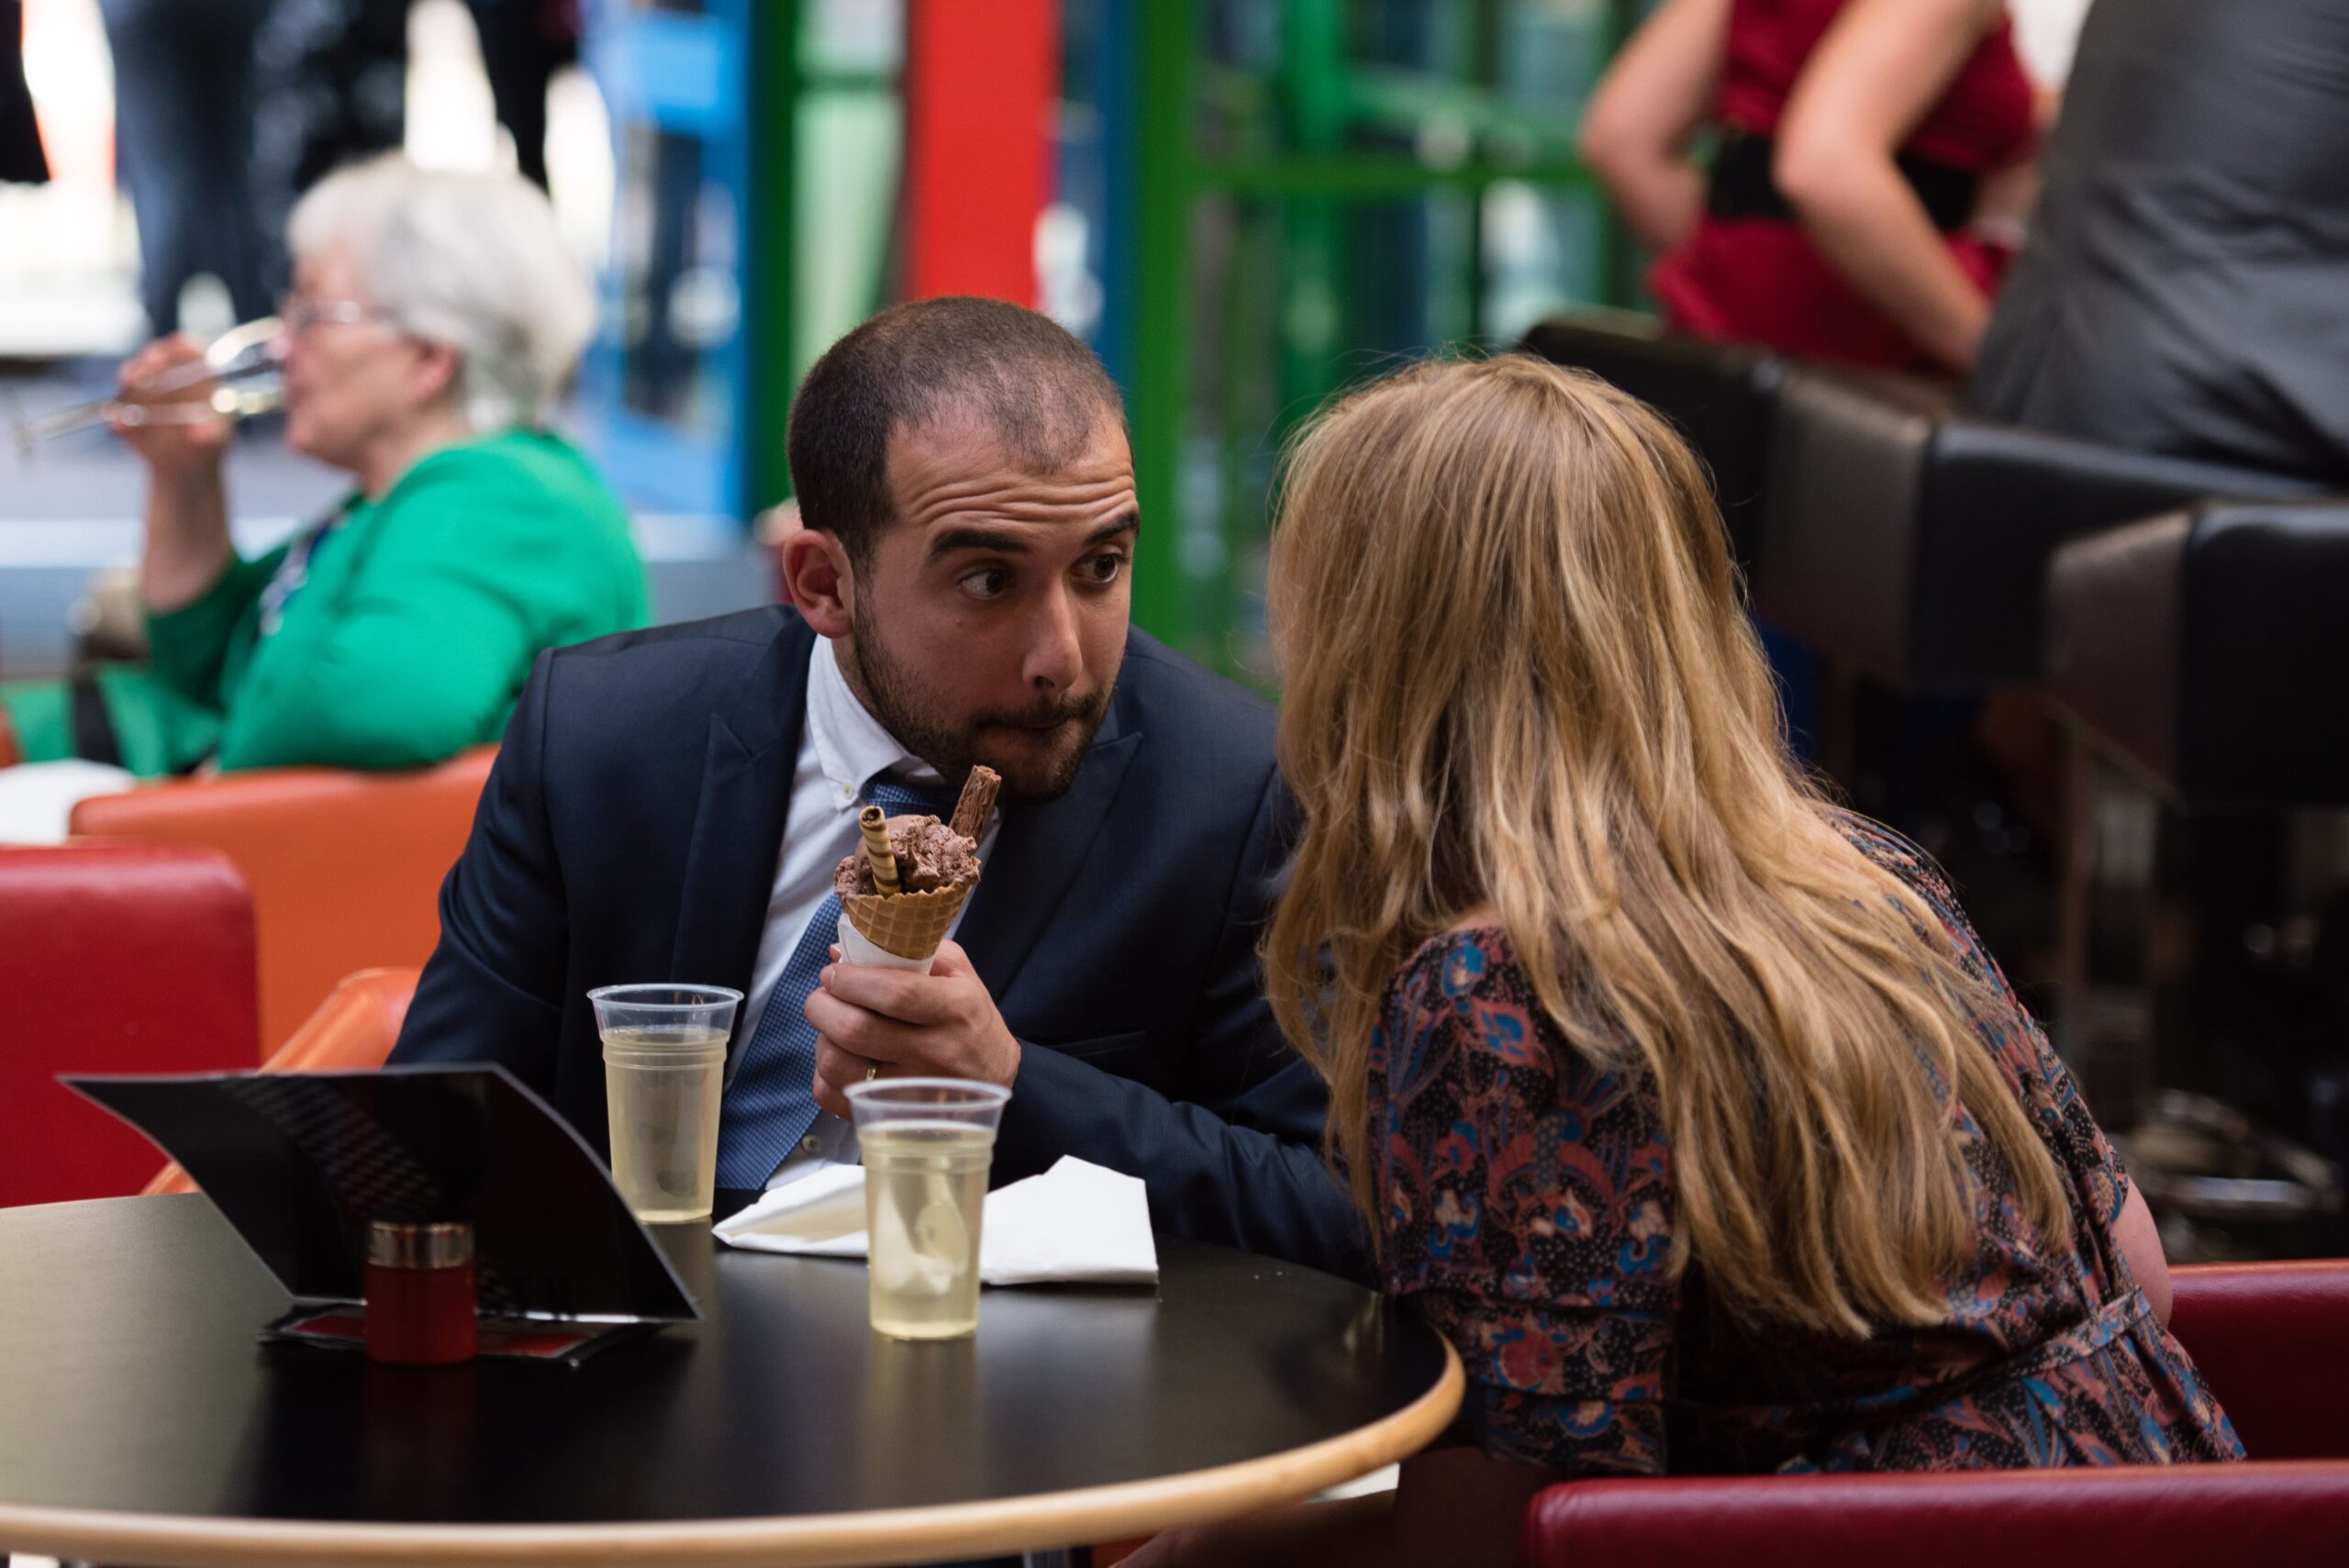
[(898, 701)]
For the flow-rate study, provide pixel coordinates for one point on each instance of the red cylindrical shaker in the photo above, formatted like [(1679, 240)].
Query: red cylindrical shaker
[(419, 1294)]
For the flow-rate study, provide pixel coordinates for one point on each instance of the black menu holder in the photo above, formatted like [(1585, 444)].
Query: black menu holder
[(300, 1163)]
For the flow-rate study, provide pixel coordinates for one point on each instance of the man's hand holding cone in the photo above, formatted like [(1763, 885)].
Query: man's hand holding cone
[(941, 1023)]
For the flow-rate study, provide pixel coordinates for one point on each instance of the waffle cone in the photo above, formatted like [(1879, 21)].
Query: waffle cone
[(910, 925)]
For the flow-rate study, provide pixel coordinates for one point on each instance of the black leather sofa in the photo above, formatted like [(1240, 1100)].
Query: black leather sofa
[(2203, 658), (1911, 540), (2209, 649), (1721, 396)]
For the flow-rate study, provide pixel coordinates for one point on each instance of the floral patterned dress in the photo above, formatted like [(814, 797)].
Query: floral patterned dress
[(1527, 1207)]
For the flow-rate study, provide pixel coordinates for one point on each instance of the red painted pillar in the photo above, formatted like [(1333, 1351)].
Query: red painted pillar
[(982, 78)]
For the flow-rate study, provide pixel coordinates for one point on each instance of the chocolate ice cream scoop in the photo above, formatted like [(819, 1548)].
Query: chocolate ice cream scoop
[(929, 854)]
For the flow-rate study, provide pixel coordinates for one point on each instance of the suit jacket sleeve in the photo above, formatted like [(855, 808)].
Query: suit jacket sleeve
[(1238, 1158), (492, 990)]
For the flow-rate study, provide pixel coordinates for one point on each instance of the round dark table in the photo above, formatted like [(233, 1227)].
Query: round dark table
[(140, 1421)]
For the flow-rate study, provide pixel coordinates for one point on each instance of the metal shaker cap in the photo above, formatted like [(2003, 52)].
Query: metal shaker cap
[(396, 1244)]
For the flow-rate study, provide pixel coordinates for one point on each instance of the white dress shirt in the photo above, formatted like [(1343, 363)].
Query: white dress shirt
[(842, 748)]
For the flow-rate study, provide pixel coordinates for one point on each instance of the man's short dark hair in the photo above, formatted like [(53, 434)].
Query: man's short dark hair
[(1021, 375)]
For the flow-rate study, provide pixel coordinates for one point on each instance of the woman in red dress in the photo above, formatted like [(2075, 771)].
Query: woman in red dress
[(1854, 136)]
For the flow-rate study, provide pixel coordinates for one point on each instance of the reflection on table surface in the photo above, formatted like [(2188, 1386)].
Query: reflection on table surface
[(130, 1381)]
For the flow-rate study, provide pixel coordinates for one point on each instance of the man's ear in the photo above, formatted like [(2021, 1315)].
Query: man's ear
[(819, 580)]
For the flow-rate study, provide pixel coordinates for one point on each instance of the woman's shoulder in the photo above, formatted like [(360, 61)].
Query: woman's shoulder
[(521, 459), (1464, 1003), (1896, 852), (1472, 962), (520, 480), (1912, 866)]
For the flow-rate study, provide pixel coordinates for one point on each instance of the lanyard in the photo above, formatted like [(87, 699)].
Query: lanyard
[(295, 570)]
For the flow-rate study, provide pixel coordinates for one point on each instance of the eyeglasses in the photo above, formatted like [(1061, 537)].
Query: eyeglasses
[(299, 315)]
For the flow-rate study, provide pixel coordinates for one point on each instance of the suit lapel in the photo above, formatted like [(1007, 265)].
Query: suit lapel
[(1037, 856), (738, 823)]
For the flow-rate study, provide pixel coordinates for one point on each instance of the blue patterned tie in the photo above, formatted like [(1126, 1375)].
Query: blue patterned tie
[(772, 1102)]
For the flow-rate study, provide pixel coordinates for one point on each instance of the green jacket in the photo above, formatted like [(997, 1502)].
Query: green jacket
[(416, 619)]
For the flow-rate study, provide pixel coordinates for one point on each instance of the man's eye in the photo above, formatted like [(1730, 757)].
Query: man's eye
[(987, 585), (1103, 568)]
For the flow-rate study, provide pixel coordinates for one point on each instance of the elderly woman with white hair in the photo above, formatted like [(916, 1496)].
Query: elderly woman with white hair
[(434, 317)]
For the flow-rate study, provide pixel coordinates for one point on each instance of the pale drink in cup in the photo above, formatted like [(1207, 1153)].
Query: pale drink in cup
[(927, 1145), (665, 1072)]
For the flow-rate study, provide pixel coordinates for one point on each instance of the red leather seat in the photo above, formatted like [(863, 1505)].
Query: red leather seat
[(114, 958), (2277, 1516), (2272, 1339)]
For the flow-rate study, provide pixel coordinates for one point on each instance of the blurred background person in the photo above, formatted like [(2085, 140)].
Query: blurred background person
[(1686, 1106), (1854, 140), (21, 160), (523, 44), (435, 317), (333, 85), (184, 101), (2184, 286)]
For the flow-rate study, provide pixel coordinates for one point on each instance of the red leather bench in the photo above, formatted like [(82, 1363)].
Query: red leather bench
[(2272, 1341), (2273, 1338), (2283, 1515), (114, 958)]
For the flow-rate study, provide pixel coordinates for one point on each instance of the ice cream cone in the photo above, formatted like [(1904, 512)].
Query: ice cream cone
[(910, 925)]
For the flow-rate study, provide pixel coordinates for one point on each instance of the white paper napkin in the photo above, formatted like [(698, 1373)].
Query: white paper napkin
[(1077, 1222), (36, 799)]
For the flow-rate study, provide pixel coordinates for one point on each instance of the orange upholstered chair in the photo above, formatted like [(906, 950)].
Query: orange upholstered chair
[(114, 958), (355, 1028), (345, 867)]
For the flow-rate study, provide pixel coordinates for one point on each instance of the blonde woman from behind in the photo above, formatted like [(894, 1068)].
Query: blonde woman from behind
[(1684, 1104)]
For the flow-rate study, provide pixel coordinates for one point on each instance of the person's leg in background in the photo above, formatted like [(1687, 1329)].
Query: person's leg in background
[(184, 115), (22, 159), (231, 244), (150, 109), (332, 90), (523, 44)]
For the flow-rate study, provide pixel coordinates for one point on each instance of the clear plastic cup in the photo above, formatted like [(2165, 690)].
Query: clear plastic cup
[(665, 1069), (927, 1144)]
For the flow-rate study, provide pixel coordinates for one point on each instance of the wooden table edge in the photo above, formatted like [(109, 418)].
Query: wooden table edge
[(1118, 1511)]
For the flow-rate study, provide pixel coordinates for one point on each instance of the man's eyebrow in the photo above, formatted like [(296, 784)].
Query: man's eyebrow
[(964, 536), (1010, 541), (1130, 523)]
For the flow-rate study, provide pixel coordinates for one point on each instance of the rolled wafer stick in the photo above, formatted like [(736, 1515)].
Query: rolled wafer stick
[(971, 812), (874, 824)]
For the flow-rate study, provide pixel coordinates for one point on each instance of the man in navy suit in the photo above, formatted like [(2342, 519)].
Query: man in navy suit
[(669, 805)]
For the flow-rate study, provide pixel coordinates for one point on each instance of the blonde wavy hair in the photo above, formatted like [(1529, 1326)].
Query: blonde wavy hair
[(1521, 689)]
